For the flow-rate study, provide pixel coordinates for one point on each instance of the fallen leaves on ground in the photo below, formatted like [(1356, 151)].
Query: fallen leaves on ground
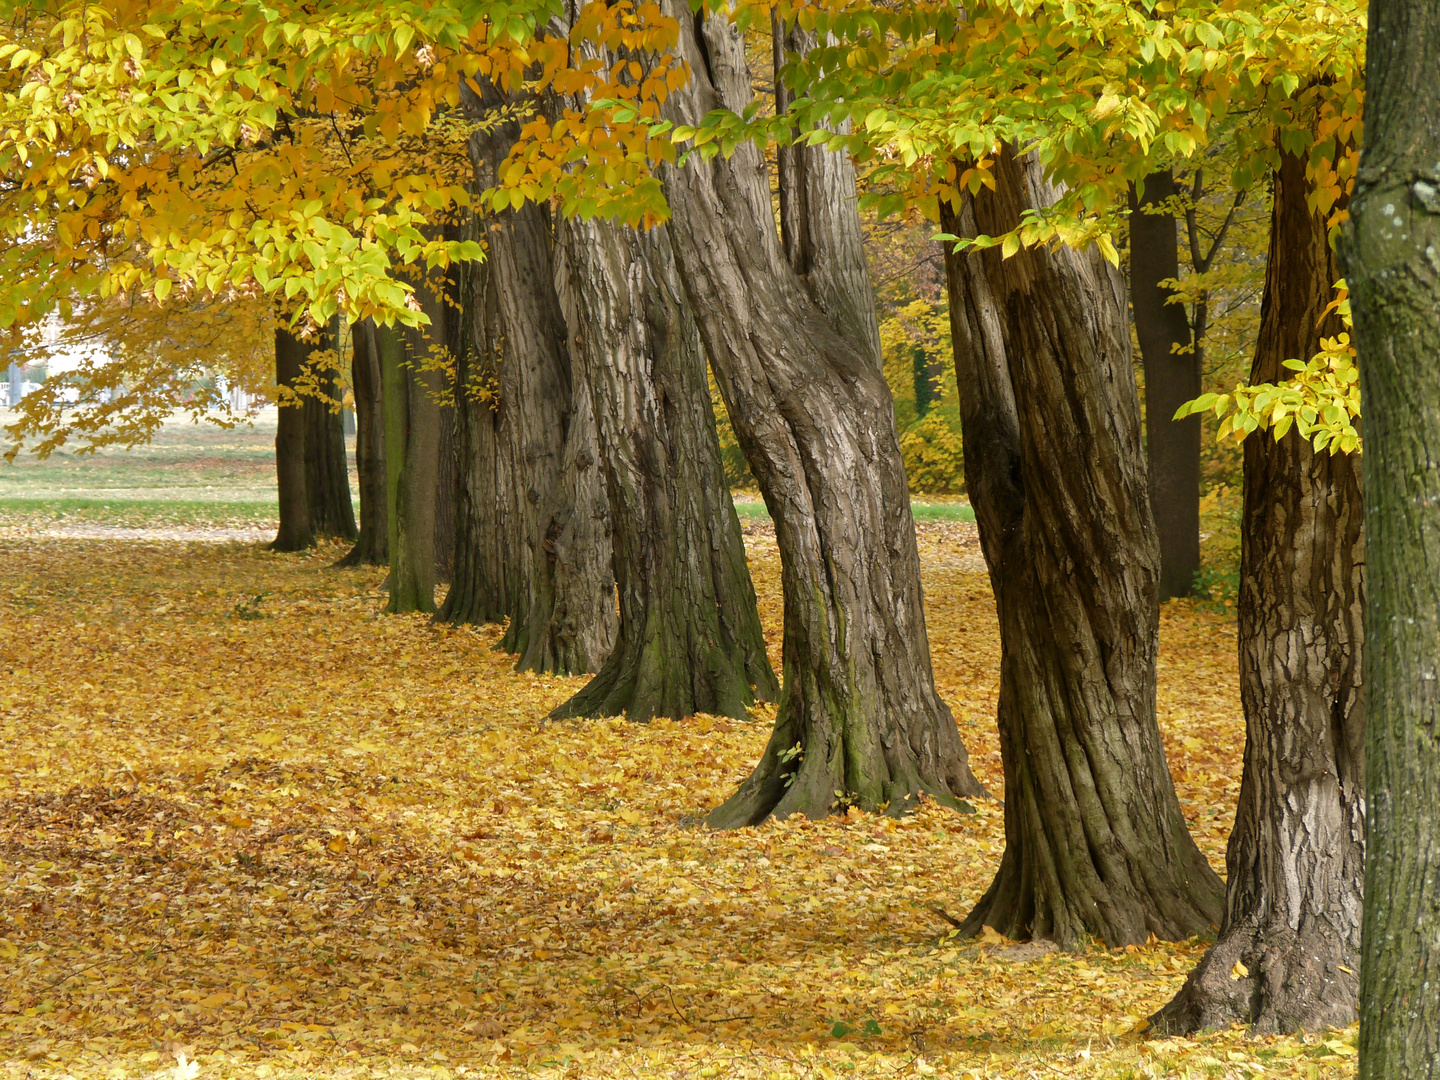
[(254, 828)]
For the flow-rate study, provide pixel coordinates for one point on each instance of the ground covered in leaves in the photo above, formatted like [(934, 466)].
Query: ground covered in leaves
[(252, 827)]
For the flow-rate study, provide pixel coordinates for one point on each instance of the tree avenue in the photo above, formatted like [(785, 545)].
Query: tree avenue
[(544, 226)]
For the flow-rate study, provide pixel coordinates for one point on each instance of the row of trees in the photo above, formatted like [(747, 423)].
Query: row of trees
[(566, 371)]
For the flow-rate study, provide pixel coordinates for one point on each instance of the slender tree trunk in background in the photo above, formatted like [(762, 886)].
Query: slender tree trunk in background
[(327, 479), (564, 621), (372, 546), (490, 571), (689, 637), (447, 480), (1394, 275), (1296, 856), (819, 220), (294, 533), (858, 712), (1095, 843), (1172, 377)]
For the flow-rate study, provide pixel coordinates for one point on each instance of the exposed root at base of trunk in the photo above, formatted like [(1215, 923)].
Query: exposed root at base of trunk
[(1272, 978)]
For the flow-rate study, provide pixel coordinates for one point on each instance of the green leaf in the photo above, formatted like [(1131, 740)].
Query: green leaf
[(841, 1029)]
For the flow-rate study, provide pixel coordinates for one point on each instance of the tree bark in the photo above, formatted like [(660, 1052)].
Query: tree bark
[(412, 443), (819, 223), (858, 712), (1394, 275), (294, 533), (1296, 856), (1095, 841), (689, 637), (1172, 377), (372, 546), (447, 481), (327, 478), (563, 620)]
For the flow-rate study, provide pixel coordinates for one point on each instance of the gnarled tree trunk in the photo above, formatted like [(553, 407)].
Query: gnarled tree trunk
[(690, 638), (1296, 858), (294, 533), (858, 711), (327, 477), (1172, 377), (1095, 843), (372, 546)]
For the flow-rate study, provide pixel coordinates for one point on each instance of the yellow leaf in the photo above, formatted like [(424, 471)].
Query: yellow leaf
[(1239, 971), (268, 738), (630, 817)]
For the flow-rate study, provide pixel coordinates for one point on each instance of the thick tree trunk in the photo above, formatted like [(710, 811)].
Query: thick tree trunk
[(1296, 856), (1095, 841), (490, 569), (819, 224), (372, 546), (858, 713), (1172, 377), (294, 533), (412, 445), (327, 478), (1393, 270), (447, 482), (563, 621), (690, 638)]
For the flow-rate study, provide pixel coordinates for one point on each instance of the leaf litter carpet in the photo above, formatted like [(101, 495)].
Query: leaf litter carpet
[(251, 827)]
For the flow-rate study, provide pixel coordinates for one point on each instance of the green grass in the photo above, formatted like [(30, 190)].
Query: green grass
[(138, 513), (752, 509)]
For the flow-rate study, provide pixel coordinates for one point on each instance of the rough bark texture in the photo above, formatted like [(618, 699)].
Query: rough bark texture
[(447, 481), (1095, 841), (1296, 856), (858, 711), (819, 226), (327, 477), (294, 533), (564, 620), (372, 546), (1172, 377), (1393, 268), (689, 637)]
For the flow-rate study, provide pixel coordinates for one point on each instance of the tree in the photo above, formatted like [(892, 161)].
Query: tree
[(1095, 843), (1391, 268), (296, 532), (372, 546), (859, 720), (1172, 377), (327, 479), (689, 636), (1289, 944)]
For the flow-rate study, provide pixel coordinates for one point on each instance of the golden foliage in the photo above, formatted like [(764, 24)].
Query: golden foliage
[(250, 822)]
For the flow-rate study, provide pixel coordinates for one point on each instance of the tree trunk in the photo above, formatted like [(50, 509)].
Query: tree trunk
[(563, 621), (372, 546), (412, 445), (689, 638), (858, 713), (1172, 377), (1095, 841), (327, 479), (447, 480), (1394, 273), (294, 533), (819, 223), (1296, 857)]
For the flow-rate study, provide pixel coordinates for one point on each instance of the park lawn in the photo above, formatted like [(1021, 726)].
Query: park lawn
[(249, 818)]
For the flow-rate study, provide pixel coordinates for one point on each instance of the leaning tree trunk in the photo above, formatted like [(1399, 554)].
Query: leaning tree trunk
[(294, 533), (563, 621), (1172, 377), (858, 713), (1095, 843), (327, 479), (1296, 859), (690, 638), (819, 226), (1393, 267), (371, 548)]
